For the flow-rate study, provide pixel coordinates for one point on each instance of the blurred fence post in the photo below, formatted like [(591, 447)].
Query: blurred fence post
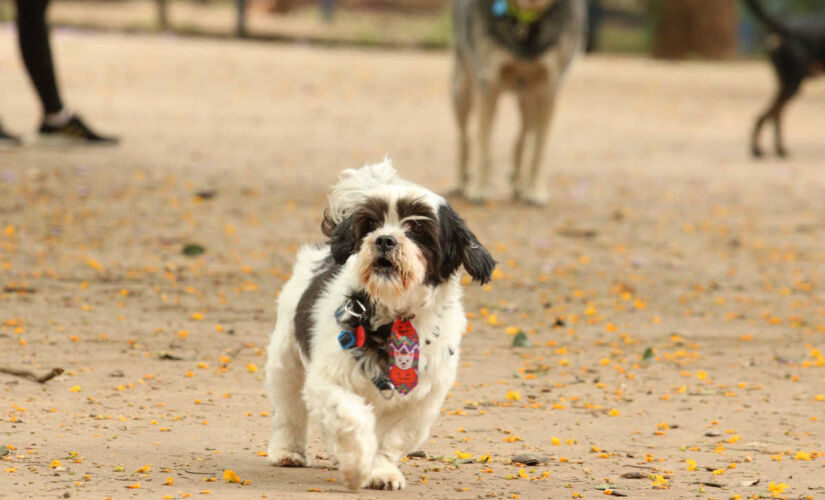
[(241, 26), (163, 14)]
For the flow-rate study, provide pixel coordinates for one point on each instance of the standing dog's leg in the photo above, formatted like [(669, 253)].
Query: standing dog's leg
[(788, 88), (480, 185), (284, 381), (527, 112), (462, 91), (791, 66), (349, 420), (788, 92), (402, 433), (544, 103), (756, 150)]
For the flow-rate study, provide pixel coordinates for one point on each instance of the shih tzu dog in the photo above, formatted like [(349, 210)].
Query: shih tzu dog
[(366, 342)]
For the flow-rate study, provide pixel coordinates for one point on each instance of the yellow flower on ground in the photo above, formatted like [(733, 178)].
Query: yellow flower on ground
[(776, 489), (230, 477), (659, 482), (513, 396)]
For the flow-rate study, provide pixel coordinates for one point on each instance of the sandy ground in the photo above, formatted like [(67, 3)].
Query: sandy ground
[(661, 233)]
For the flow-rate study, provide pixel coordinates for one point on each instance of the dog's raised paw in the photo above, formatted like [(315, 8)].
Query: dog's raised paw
[(385, 478), (286, 458)]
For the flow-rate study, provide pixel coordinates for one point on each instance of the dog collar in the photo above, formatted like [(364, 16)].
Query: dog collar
[(402, 347), (504, 7)]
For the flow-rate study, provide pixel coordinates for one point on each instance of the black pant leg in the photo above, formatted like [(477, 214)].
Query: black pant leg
[(33, 33)]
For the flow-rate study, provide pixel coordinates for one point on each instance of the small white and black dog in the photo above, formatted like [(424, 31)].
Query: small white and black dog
[(366, 342)]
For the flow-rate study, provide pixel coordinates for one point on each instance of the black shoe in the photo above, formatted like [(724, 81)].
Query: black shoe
[(7, 139), (75, 131)]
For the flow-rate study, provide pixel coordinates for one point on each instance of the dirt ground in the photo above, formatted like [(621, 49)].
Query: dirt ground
[(661, 233)]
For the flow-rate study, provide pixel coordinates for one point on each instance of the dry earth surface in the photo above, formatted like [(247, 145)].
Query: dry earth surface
[(661, 233)]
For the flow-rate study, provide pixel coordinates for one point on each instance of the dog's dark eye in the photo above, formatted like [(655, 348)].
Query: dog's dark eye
[(418, 228), (371, 225)]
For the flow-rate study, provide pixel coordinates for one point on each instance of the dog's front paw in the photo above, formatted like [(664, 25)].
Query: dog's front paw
[(386, 477), (536, 197), (286, 458), (354, 477)]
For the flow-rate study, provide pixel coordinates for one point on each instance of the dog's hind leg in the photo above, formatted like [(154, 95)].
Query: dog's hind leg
[(348, 421), (462, 95), (544, 103), (790, 66), (284, 381), (789, 90)]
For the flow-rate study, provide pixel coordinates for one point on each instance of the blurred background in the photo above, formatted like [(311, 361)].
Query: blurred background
[(664, 28)]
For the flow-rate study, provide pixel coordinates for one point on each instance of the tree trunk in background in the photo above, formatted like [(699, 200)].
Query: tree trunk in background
[(163, 15), (684, 28)]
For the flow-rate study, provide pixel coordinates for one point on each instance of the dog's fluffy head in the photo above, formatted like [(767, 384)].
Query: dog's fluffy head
[(401, 235)]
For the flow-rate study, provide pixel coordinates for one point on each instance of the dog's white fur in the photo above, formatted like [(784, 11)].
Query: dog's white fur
[(367, 434)]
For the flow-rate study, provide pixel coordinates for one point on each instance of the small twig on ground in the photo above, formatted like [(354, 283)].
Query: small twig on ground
[(31, 376)]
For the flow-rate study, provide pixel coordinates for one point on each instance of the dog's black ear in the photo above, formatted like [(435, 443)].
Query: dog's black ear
[(341, 238), (459, 246)]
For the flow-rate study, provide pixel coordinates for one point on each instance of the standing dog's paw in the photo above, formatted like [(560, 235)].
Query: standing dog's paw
[(757, 152), (476, 193), (536, 197), (387, 477), (286, 458), (455, 192)]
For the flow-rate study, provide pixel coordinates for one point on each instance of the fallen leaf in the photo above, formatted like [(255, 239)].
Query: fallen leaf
[(520, 340), (193, 250)]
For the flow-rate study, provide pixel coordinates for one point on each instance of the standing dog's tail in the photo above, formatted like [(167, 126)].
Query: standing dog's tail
[(776, 25)]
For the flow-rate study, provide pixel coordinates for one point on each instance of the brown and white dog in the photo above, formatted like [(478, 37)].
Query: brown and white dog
[(366, 342), (523, 46)]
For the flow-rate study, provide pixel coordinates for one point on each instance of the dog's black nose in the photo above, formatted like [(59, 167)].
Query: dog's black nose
[(385, 243)]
